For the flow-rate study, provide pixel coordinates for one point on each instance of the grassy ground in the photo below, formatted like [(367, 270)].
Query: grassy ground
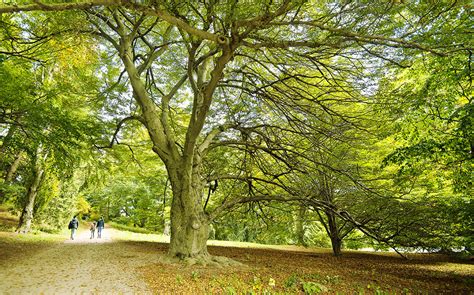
[(265, 269), (270, 269), (8, 222)]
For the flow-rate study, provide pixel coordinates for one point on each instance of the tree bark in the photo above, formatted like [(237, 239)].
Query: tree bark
[(4, 159), (327, 193), (26, 217), (189, 223), (300, 231), (334, 235), (10, 174), (13, 168)]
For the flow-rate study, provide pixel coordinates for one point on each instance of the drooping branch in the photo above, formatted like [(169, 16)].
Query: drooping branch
[(308, 201), (367, 231), (350, 35)]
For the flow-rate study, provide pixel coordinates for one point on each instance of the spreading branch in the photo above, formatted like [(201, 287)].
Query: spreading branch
[(145, 9), (117, 130)]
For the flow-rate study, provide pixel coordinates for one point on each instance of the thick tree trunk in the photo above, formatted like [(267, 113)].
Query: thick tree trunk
[(336, 245), (189, 223), (189, 231), (327, 193), (26, 217), (334, 234), (300, 231), (163, 211)]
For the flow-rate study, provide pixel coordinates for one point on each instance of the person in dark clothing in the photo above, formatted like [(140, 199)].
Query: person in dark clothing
[(100, 227), (73, 225)]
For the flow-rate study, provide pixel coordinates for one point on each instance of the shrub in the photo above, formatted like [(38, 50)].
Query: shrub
[(313, 288)]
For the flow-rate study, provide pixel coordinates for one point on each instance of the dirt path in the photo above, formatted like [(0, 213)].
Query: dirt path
[(81, 266)]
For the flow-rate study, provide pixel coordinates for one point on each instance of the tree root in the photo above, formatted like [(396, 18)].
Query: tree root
[(202, 260)]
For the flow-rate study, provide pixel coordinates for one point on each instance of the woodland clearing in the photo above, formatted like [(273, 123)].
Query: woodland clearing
[(342, 124), (124, 262)]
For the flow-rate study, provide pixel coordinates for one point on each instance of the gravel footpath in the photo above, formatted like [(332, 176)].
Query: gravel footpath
[(81, 266)]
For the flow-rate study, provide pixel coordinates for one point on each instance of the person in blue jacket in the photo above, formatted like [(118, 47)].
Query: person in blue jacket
[(100, 227)]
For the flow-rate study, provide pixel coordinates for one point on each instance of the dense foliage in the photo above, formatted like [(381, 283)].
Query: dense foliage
[(337, 122)]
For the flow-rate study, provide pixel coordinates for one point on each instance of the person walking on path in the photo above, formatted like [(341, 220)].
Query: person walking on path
[(92, 228), (100, 226), (73, 225)]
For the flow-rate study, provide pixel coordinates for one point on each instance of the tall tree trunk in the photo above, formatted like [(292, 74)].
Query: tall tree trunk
[(189, 223), (26, 217), (334, 234), (300, 231), (5, 173), (10, 174), (107, 210), (7, 139), (327, 194), (13, 168)]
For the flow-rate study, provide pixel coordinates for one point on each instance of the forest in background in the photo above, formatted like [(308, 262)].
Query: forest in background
[(332, 124)]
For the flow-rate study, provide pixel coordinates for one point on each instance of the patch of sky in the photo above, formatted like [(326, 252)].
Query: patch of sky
[(4, 129)]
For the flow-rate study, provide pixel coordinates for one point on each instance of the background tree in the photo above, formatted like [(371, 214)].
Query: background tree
[(44, 107), (432, 123), (133, 189)]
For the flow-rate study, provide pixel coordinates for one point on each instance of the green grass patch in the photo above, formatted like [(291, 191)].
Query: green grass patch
[(125, 235), (8, 221), (129, 228), (31, 238)]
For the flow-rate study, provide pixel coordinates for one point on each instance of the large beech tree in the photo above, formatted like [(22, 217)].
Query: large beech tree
[(186, 61)]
